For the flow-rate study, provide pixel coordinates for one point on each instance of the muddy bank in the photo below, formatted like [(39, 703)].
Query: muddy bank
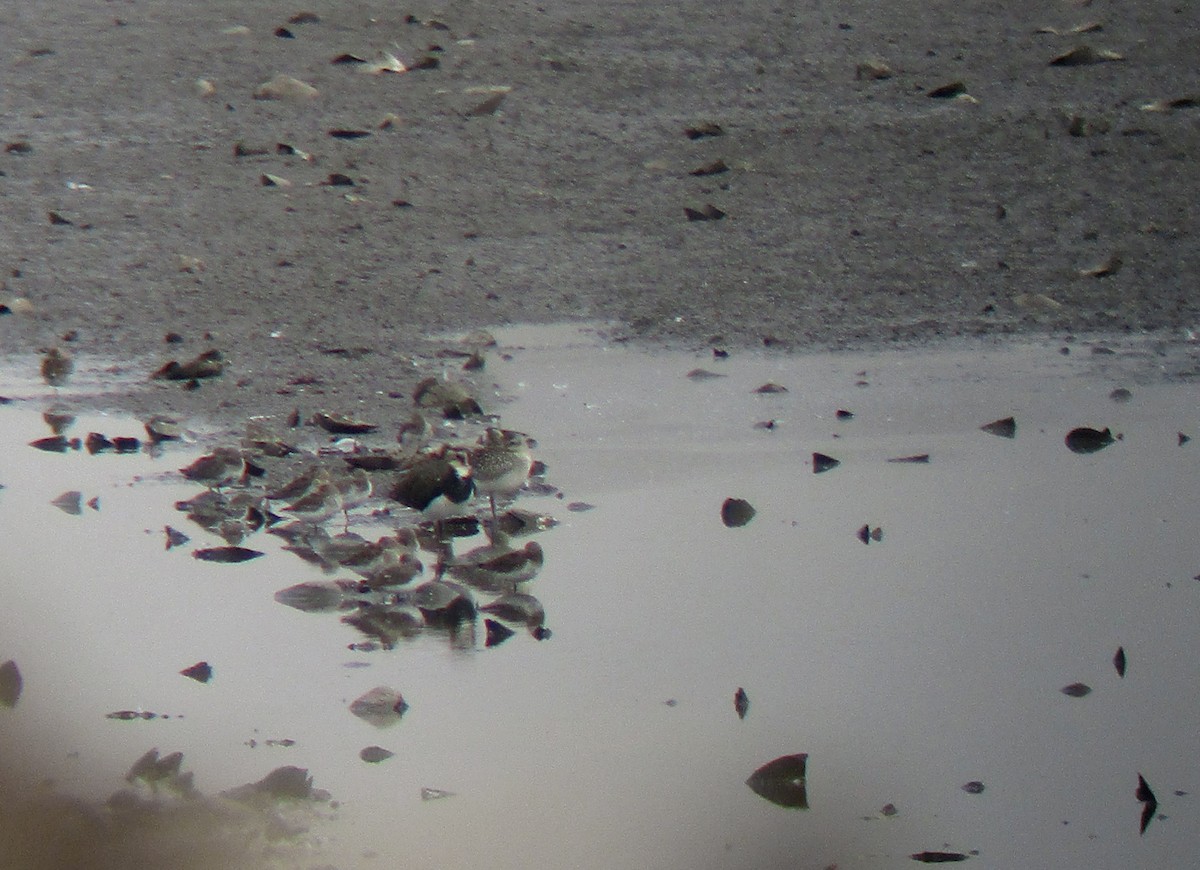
[(856, 211)]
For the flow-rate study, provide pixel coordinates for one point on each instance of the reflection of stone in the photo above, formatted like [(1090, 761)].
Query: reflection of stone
[(282, 783), (497, 633), (10, 684), (822, 463), (736, 512), (741, 703), (381, 707), (374, 754), (1087, 440), (1003, 428), (165, 771), (70, 503), (782, 781)]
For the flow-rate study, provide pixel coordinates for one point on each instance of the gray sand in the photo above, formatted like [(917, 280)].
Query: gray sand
[(858, 211)]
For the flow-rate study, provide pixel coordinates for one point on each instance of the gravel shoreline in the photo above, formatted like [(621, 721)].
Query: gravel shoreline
[(858, 212)]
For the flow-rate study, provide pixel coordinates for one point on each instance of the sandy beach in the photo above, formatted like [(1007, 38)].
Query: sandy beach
[(536, 167), (328, 193)]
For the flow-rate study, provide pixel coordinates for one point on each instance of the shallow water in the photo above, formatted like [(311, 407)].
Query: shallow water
[(905, 668)]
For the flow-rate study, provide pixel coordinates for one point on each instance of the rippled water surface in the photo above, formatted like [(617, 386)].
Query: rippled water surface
[(1006, 569)]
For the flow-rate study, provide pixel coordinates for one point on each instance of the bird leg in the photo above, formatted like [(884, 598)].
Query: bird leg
[(443, 548), (492, 534)]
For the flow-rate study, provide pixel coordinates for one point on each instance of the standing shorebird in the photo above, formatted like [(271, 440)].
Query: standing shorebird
[(318, 502), (439, 486), (500, 465), (223, 466), (57, 366), (353, 490)]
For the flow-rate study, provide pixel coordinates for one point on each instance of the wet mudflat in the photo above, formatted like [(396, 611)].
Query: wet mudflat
[(922, 666)]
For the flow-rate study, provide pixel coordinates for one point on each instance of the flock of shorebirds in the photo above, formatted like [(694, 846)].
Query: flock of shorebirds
[(438, 481), (429, 493), (431, 487)]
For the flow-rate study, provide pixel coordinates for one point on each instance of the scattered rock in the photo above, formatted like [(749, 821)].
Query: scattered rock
[(1037, 302), (381, 707), (130, 715), (56, 444), (714, 168), (1003, 428), (341, 424), (948, 91), (822, 463), (490, 105), (1084, 55), (866, 534), (1109, 267), (703, 130), (873, 70), (1170, 105), (70, 502), (1148, 800), (736, 512), (708, 212), (1087, 440), (741, 703), (782, 781), (1089, 27), (201, 672), (226, 555), (939, 857), (283, 87)]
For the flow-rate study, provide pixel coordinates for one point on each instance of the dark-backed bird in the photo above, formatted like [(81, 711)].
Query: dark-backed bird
[(438, 485)]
